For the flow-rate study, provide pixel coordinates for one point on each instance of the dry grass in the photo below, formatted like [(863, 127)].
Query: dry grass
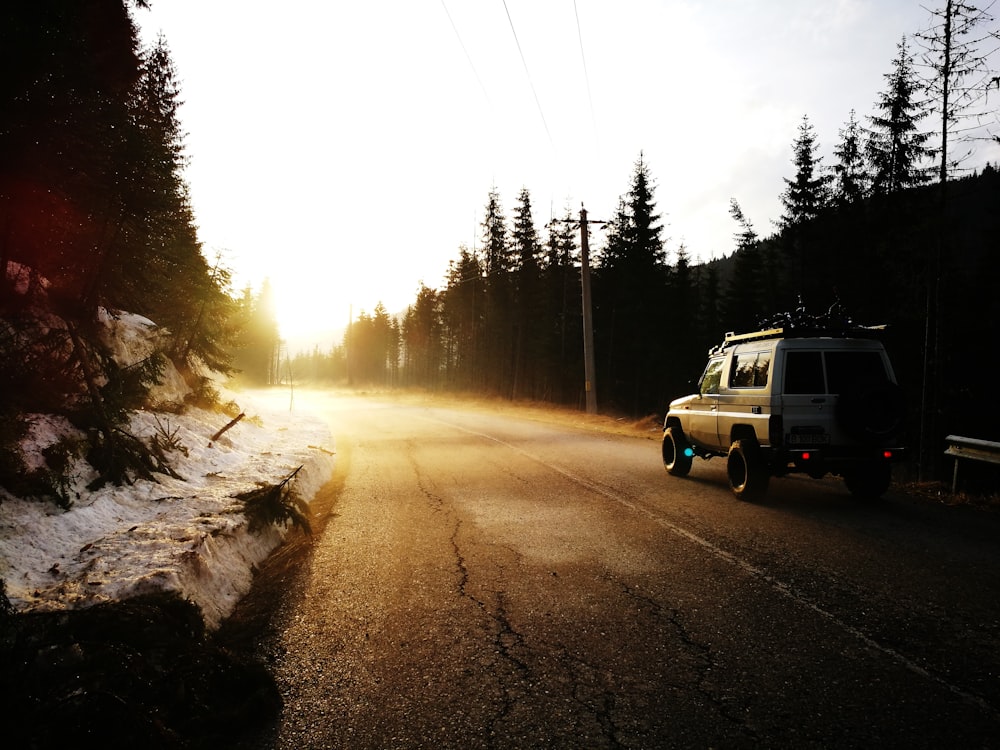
[(940, 492)]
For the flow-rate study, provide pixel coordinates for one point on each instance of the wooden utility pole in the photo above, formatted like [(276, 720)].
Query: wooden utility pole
[(588, 319), (590, 385)]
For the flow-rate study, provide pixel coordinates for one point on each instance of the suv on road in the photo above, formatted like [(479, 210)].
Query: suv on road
[(792, 398)]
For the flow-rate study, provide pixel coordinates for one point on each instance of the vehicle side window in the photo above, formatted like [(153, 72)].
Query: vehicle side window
[(845, 368), (804, 372), (712, 376), (749, 370), (741, 374), (761, 369)]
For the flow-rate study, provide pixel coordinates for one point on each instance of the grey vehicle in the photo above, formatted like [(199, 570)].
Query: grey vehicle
[(779, 401)]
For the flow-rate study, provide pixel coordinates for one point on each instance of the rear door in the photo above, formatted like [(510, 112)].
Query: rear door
[(814, 378), (807, 408)]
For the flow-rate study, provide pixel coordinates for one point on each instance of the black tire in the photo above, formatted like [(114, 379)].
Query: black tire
[(870, 481), (748, 474), (871, 411), (676, 460)]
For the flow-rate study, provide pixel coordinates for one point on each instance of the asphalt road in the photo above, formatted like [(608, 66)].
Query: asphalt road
[(490, 581)]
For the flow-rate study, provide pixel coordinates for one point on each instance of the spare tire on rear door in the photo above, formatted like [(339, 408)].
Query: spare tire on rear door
[(871, 410)]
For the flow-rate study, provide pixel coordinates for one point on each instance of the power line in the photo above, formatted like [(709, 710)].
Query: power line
[(467, 55), (586, 76), (528, 74)]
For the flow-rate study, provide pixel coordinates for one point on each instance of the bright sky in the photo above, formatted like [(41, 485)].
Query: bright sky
[(345, 150)]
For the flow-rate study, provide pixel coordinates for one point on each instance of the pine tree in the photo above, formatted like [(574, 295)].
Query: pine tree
[(614, 250), (421, 340), (499, 292), (746, 238), (688, 347), (526, 247), (711, 326), (745, 299), (162, 271), (850, 180), (807, 193), (528, 303), (644, 232), (563, 310), (462, 304), (374, 348), (805, 197), (206, 330), (496, 247), (630, 283), (258, 349), (896, 148)]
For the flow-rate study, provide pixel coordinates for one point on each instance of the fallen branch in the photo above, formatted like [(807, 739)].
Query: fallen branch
[(229, 426), (275, 504)]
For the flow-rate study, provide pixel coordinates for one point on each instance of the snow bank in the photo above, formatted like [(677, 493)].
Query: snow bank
[(188, 535), (185, 535)]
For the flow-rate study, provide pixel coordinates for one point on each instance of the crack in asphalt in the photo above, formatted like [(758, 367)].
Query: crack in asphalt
[(505, 637), (703, 652), (586, 676)]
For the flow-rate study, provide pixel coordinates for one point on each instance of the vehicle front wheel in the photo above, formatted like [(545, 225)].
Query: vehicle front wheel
[(869, 482), (748, 474), (676, 452)]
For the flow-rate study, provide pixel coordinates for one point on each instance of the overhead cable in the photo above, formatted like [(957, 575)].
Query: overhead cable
[(586, 76), (467, 55), (528, 74)]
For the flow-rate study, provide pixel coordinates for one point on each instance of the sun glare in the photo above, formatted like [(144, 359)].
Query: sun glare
[(306, 317)]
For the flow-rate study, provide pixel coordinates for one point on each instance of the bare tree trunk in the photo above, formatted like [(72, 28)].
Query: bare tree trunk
[(89, 377)]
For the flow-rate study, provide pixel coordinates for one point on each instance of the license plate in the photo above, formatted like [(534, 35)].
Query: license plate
[(807, 439)]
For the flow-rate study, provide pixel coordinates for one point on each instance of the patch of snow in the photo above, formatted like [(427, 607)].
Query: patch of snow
[(41, 432), (186, 535)]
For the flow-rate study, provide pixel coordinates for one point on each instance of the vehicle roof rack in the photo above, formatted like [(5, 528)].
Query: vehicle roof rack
[(732, 337), (800, 324)]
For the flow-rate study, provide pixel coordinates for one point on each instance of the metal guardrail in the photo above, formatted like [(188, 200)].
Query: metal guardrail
[(971, 450)]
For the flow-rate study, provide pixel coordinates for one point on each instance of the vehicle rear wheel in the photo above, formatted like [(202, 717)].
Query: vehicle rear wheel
[(676, 456), (748, 474), (869, 482)]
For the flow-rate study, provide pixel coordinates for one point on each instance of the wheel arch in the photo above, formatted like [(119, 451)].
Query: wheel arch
[(742, 432), (672, 421)]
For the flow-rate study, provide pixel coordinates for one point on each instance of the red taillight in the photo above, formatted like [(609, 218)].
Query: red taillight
[(806, 456), (886, 454)]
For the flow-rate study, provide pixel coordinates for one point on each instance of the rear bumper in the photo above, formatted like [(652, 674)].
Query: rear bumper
[(821, 460)]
